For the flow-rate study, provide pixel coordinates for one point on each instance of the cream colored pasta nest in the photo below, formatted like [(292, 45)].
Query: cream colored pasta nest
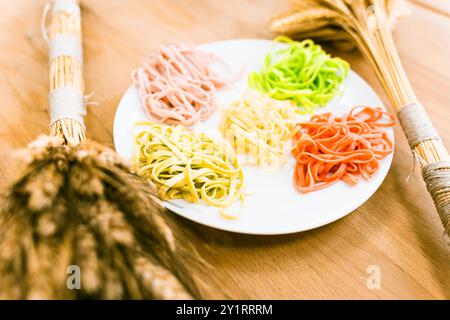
[(260, 127)]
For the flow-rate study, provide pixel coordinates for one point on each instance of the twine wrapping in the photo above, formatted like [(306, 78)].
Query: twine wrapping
[(437, 178), (416, 124), (66, 6), (418, 128), (66, 45), (67, 103)]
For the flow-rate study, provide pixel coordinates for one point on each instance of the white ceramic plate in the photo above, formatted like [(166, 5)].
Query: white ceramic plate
[(274, 207)]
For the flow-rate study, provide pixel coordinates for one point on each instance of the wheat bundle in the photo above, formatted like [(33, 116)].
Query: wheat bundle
[(77, 207), (369, 24)]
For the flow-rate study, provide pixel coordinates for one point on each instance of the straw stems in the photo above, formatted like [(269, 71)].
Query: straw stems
[(66, 72), (369, 23)]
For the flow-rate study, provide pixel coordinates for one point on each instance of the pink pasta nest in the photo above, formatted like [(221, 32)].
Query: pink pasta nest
[(177, 84)]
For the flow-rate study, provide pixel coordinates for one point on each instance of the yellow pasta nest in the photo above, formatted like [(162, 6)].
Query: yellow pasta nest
[(260, 127), (187, 165)]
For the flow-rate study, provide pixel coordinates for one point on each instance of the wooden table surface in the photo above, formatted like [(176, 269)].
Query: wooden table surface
[(397, 230)]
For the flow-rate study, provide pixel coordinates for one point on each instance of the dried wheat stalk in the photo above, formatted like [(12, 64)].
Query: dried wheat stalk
[(66, 72), (369, 23), (77, 204), (81, 206)]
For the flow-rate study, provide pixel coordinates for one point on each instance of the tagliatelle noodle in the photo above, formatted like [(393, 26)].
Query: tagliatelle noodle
[(260, 127), (177, 84), (187, 165), (329, 148), (302, 73)]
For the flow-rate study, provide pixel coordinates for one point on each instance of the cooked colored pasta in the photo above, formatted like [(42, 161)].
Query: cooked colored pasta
[(187, 165), (302, 73), (260, 127), (177, 85), (329, 149)]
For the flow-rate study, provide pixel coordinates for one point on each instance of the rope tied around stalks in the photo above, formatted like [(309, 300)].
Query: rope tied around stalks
[(67, 103), (416, 124), (66, 45), (437, 178), (418, 130)]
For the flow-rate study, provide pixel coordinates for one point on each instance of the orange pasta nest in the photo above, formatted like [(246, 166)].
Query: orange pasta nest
[(328, 148)]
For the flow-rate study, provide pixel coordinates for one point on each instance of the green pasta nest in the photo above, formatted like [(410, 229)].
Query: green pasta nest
[(302, 73)]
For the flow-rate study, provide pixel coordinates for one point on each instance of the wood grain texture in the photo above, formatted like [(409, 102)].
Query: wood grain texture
[(397, 229), (438, 6)]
